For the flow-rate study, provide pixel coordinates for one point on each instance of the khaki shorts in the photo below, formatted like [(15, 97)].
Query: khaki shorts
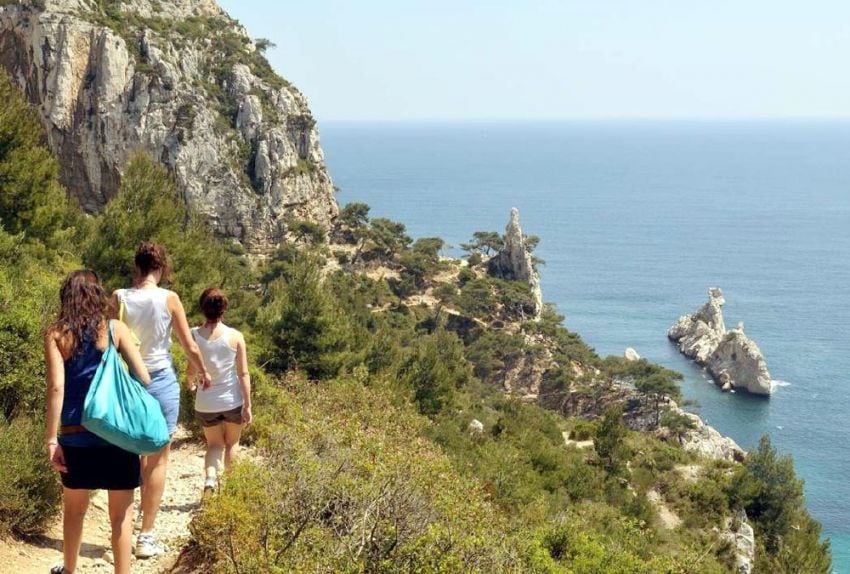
[(212, 419)]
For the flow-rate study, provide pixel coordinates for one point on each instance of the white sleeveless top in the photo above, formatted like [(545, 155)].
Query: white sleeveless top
[(225, 392), (146, 313)]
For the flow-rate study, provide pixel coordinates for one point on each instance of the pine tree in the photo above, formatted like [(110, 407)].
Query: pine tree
[(32, 202)]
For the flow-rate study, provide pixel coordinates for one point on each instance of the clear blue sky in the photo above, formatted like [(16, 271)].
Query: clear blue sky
[(545, 59)]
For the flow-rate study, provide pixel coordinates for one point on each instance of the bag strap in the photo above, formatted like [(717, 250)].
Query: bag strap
[(121, 305), (111, 337)]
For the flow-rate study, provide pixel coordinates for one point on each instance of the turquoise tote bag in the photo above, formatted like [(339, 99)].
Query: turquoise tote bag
[(120, 410)]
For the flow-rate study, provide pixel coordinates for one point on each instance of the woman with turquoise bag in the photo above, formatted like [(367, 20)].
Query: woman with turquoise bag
[(73, 348), (152, 313)]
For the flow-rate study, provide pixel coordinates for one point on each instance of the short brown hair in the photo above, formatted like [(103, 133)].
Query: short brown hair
[(150, 257), (213, 303)]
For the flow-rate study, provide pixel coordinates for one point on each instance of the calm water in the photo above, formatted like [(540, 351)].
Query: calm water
[(637, 220)]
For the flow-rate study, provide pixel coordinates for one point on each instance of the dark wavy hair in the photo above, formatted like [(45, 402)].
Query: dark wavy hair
[(83, 307), (150, 257), (213, 303)]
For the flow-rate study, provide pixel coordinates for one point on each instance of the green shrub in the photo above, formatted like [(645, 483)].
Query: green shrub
[(595, 541), (303, 325), (434, 368), (583, 429), (493, 351), (29, 295), (32, 202), (349, 487), (30, 492)]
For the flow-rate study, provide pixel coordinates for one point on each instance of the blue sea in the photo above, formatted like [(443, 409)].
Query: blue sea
[(637, 220)]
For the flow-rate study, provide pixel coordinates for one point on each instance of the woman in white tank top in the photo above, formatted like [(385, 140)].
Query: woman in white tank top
[(152, 313), (224, 405)]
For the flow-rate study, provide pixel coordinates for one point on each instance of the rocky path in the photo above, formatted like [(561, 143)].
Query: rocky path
[(182, 497)]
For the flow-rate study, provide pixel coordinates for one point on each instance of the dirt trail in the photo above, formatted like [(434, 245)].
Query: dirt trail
[(182, 497)]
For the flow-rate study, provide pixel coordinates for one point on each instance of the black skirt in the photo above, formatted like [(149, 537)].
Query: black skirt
[(101, 468)]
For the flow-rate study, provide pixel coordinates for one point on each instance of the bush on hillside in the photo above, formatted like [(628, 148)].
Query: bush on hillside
[(434, 368), (32, 202), (30, 492), (594, 540), (303, 325), (29, 294), (768, 489), (349, 486), (493, 351)]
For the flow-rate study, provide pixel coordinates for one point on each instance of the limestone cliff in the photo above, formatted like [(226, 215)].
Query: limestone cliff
[(184, 82), (731, 357)]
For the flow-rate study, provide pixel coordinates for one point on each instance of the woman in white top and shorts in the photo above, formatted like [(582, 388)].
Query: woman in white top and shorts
[(223, 406), (152, 312)]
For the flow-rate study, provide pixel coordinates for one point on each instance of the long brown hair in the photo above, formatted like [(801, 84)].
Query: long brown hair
[(83, 307)]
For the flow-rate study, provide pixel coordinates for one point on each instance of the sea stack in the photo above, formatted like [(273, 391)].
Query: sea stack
[(732, 358), (514, 261)]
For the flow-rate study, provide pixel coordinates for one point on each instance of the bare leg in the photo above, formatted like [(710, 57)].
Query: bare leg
[(215, 448), (232, 432), (76, 502), (153, 477), (121, 518)]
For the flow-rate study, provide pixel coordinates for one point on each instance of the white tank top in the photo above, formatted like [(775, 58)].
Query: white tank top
[(146, 313), (225, 392)]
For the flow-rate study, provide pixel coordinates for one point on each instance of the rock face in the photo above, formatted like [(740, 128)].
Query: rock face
[(514, 261), (740, 535), (732, 358), (184, 82), (705, 440)]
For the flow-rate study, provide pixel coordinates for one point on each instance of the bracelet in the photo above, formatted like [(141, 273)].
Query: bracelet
[(51, 442)]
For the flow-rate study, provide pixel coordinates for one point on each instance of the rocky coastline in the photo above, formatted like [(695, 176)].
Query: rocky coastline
[(732, 359)]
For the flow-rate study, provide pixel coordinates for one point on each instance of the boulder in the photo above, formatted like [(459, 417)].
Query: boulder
[(706, 441), (476, 426), (631, 355)]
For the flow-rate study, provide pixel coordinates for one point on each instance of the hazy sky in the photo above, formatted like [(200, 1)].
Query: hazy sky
[(503, 59)]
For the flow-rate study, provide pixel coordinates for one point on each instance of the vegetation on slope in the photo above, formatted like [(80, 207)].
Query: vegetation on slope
[(371, 357)]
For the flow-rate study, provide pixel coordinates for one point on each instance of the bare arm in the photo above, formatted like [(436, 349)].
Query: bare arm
[(114, 305), (184, 335), (244, 378), (192, 376), (55, 394), (123, 341)]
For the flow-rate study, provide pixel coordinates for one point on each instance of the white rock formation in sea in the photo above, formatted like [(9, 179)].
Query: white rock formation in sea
[(515, 262), (631, 355), (732, 358), (184, 82), (699, 334)]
